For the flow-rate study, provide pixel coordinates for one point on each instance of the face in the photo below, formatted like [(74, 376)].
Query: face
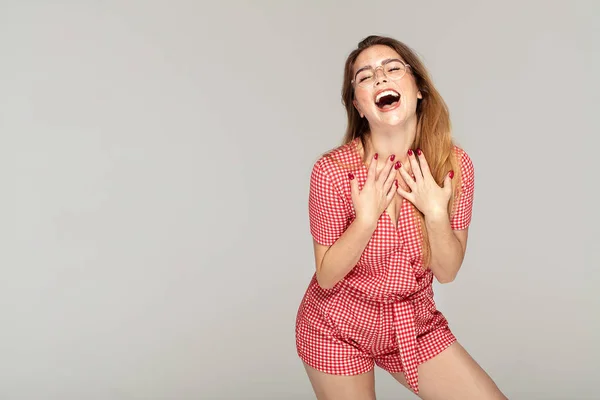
[(393, 108)]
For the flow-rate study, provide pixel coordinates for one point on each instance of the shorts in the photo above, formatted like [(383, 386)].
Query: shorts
[(339, 333)]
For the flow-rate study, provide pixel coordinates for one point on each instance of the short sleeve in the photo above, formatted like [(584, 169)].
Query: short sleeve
[(327, 209), (461, 217)]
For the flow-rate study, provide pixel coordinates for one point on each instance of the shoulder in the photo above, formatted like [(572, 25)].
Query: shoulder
[(335, 164), (465, 162), (462, 156)]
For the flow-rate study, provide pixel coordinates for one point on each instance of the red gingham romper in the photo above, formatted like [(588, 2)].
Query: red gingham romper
[(383, 311)]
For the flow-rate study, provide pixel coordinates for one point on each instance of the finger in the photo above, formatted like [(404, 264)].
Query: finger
[(387, 170), (392, 187), (392, 192), (372, 171), (407, 195), (407, 178), (447, 185), (414, 164), (391, 175), (423, 164), (353, 186)]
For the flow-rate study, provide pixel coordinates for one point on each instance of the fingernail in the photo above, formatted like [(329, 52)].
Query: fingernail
[(451, 174), (376, 156), (419, 151), (410, 152), (392, 157), (396, 183), (351, 175), (397, 165)]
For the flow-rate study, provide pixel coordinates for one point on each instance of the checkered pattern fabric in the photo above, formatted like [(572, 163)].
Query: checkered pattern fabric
[(383, 311)]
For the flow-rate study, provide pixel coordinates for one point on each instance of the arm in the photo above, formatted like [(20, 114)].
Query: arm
[(338, 244), (447, 247), (334, 262), (448, 236)]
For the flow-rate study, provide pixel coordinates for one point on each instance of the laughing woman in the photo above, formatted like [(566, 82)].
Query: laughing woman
[(389, 211)]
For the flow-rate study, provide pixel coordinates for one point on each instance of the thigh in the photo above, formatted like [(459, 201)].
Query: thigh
[(454, 374), (342, 387)]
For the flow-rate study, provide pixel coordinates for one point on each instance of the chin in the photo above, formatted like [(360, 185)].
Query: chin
[(393, 120)]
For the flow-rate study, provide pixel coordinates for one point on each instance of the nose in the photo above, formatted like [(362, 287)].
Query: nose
[(380, 78)]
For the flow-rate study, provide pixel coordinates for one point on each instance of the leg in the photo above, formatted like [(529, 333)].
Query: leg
[(342, 387), (454, 375)]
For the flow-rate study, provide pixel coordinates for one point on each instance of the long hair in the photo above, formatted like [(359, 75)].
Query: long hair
[(433, 134)]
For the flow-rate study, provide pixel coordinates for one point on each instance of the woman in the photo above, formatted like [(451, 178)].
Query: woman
[(389, 210)]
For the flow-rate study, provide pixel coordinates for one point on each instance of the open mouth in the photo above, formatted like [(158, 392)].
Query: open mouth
[(387, 99)]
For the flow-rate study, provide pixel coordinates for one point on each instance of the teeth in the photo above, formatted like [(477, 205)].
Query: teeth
[(386, 93)]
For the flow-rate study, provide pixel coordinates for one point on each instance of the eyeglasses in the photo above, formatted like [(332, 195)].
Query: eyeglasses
[(392, 69)]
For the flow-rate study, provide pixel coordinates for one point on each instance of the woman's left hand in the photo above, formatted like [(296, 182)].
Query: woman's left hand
[(431, 199)]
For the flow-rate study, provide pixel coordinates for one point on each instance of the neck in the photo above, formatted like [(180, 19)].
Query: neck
[(387, 141)]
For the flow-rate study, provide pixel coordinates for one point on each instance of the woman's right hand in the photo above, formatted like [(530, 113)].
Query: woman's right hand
[(377, 193)]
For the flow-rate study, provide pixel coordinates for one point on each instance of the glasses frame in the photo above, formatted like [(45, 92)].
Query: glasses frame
[(406, 67)]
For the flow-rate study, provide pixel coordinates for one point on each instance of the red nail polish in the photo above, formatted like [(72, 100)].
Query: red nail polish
[(419, 152), (376, 156), (396, 183), (392, 157), (397, 165), (451, 174), (351, 175), (410, 152)]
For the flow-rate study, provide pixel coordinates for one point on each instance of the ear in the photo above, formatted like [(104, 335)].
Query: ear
[(357, 109), (419, 95)]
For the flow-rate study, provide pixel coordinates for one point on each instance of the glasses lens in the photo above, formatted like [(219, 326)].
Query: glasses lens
[(365, 77), (393, 70)]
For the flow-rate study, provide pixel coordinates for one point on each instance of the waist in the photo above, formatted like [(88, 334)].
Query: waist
[(390, 297), (422, 289)]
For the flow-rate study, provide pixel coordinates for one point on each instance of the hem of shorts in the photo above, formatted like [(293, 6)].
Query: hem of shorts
[(448, 341), (329, 371)]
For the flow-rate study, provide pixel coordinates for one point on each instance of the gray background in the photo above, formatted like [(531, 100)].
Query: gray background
[(155, 159)]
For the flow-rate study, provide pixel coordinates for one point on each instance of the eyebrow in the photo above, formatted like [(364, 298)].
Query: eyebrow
[(387, 60)]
